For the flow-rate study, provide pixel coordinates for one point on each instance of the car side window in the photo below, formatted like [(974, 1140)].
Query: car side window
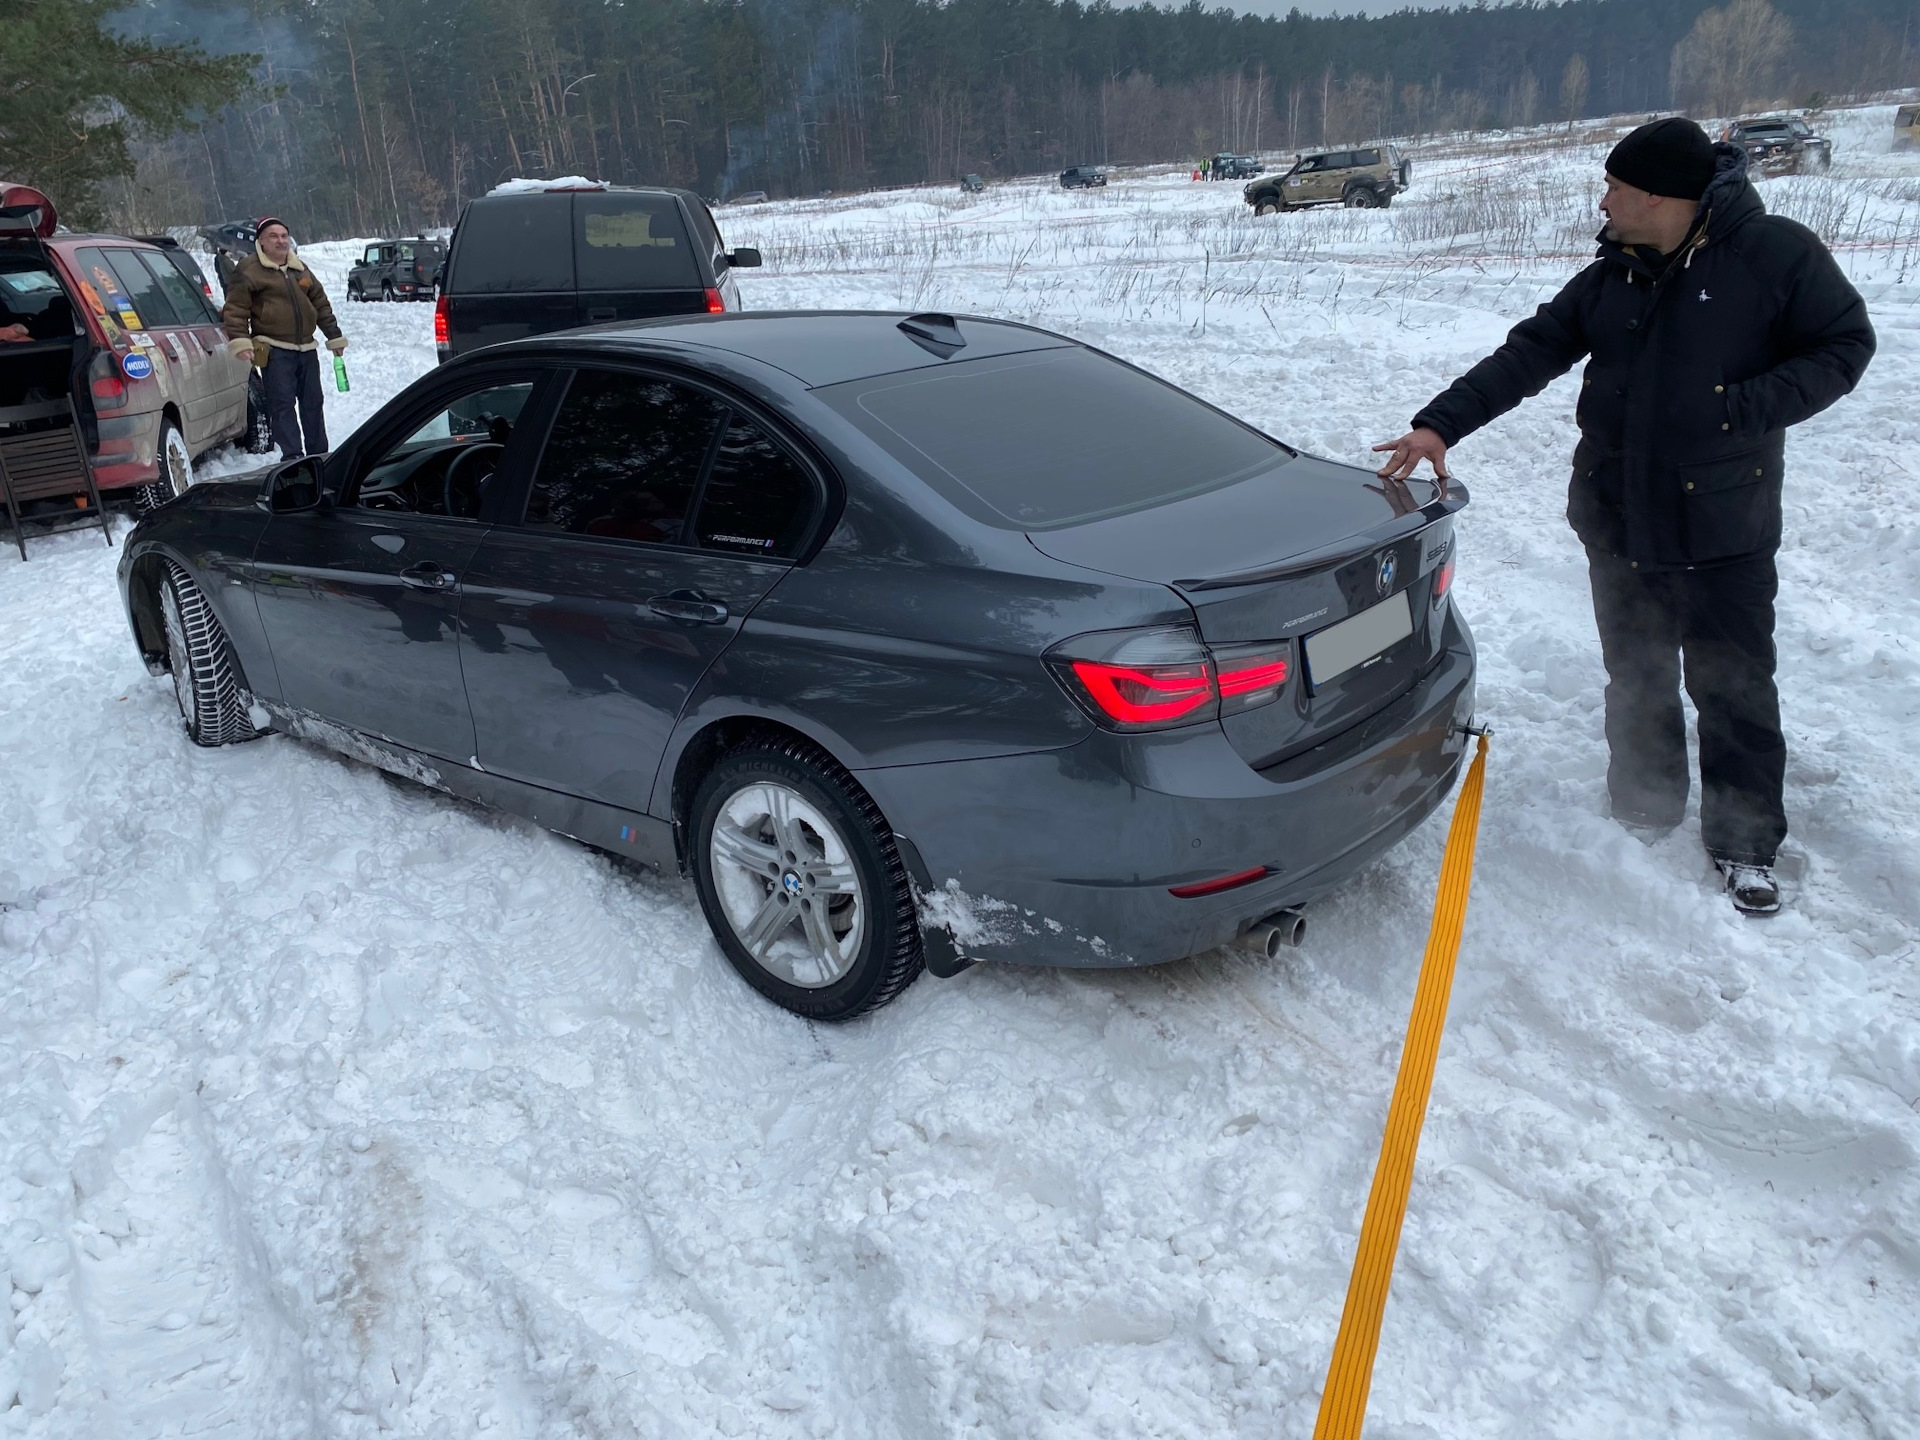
[(185, 300), (1366, 157), (758, 499), (443, 467), (149, 300), (623, 458)]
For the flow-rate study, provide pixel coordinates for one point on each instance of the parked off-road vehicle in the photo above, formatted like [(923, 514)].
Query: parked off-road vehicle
[(1906, 127), (231, 243), (1233, 167), (405, 269), (1363, 179), (1082, 177), (972, 184), (1780, 145)]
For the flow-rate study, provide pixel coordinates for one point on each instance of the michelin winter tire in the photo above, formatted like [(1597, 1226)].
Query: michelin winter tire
[(211, 700), (801, 882)]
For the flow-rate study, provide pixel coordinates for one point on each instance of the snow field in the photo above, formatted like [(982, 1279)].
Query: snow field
[(330, 1105)]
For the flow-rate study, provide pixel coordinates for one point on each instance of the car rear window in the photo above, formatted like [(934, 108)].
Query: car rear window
[(1055, 438), (515, 243), (631, 242)]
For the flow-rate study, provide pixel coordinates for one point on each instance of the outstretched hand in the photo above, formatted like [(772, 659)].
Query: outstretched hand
[(1409, 450)]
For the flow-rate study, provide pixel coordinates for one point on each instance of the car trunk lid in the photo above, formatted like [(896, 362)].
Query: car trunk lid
[(1289, 554)]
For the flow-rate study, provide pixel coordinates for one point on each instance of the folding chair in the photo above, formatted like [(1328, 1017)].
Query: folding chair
[(41, 463)]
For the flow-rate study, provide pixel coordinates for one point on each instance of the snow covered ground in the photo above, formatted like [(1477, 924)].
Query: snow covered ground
[(332, 1106)]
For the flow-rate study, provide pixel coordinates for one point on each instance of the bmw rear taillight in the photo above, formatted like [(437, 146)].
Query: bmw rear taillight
[(716, 302), (1130, 680), (440, 322), (1443, 582)]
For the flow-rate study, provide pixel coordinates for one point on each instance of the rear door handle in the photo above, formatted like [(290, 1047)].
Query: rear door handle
[(689, 605), (428, 576), (597, 313)]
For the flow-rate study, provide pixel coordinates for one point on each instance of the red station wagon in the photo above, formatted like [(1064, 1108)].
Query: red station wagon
[(129, 329)]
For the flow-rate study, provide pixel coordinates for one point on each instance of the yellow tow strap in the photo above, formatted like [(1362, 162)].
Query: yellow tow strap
[(1343, 1404)]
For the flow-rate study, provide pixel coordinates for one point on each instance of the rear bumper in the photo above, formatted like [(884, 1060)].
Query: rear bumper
[(129, 449), (1066, 857)]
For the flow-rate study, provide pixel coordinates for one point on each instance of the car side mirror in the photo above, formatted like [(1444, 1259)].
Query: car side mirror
[(294, 486), (745, 258)]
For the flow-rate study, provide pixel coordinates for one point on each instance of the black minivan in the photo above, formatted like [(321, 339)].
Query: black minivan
[(527, 262)]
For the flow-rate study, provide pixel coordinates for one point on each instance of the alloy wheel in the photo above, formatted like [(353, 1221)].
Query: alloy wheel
[(176, 461), (787, 885)]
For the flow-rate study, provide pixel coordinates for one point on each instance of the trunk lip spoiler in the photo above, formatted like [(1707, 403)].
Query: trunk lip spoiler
[(1340, 551)]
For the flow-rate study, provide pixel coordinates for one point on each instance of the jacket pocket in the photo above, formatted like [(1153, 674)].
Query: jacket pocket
[(1595, 500), (1732, 504)]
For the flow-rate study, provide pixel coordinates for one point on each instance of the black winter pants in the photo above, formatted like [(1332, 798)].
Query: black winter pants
[(1715, 626), (293, 379)]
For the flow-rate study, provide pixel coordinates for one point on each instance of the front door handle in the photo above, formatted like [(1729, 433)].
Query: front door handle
[(689, 605), (428, 576)]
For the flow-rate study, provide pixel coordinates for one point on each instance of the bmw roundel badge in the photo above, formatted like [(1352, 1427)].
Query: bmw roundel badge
[(135, 365), (1383, 581)]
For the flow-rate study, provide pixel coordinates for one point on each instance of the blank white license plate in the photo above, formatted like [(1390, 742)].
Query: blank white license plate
[(1358, 639)]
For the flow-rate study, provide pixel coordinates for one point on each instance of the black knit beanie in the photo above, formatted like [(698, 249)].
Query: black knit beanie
[(1665, 157)]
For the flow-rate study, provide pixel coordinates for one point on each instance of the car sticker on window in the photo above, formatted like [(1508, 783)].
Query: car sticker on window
[(632, 229), (747, 540)]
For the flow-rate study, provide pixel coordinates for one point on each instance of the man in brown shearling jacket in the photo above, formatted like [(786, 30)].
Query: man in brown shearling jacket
[(273, 307)]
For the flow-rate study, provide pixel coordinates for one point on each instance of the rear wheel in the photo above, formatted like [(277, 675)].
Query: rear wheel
[(386, 291), (175, 464), (802, 883), (1361, 197), (201, 660)]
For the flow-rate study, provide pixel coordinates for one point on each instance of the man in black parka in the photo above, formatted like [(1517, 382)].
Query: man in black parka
[(1710, 327)]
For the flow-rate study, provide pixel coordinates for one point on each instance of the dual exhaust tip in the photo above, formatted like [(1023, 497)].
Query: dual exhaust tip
[(1285, 929)]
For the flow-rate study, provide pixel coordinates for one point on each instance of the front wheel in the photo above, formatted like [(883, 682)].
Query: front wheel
[(1267, 207), (175, 465), (201, 660), (802, 883)]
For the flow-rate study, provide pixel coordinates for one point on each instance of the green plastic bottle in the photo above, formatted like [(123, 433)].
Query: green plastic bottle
[(340, 374)]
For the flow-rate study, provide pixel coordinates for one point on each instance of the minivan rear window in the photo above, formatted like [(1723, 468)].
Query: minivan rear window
[(631, 242), (1052, 438), (514, 244)]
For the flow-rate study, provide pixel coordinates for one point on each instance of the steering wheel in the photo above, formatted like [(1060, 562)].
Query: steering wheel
[(464, 485)]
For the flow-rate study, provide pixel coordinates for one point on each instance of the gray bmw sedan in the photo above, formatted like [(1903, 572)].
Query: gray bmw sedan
[(914, 640)]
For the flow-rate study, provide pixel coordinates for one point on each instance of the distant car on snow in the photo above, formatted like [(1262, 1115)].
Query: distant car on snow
[(1781, 145), (404, 269), (1362, 179), (1082, 177), (1906, 127), (972, 184), (1234, 167), (912, 639)]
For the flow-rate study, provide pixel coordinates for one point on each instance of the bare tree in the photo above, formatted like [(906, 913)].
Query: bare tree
[(1525, 102), (1731, 56), (1573, 89)]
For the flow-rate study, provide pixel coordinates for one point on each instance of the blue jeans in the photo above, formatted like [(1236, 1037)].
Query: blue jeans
[(293, 380)]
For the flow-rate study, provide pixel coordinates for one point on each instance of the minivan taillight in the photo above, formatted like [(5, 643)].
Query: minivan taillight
[(440, 322), (1132, 680), (716, 302), (105, 382)]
